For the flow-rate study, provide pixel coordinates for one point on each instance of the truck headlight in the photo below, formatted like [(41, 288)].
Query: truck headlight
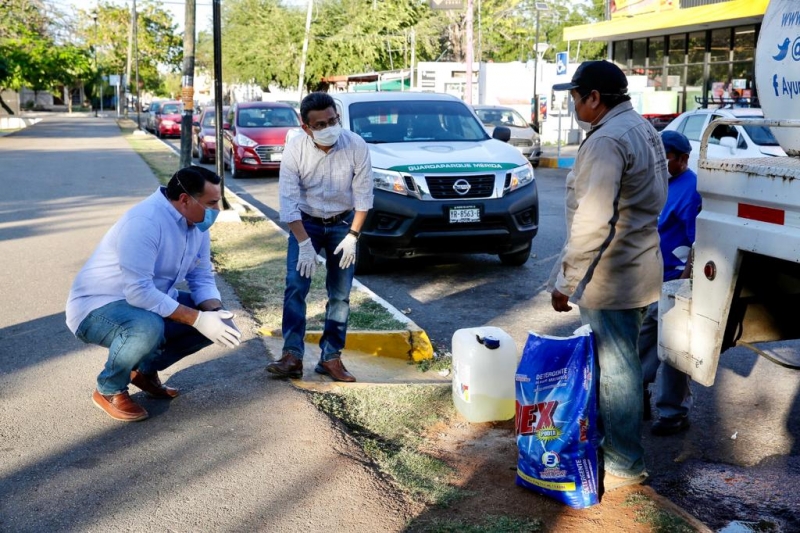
[(388, 180), (244, 140), (520, 177)]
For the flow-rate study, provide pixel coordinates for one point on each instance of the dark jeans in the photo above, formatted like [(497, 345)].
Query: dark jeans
[(338, 283)]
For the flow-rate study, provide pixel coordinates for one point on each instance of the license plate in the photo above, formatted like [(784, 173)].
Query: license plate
[(464, 214), (275, 157)]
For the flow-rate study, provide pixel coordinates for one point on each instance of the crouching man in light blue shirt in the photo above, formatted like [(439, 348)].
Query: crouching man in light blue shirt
[(124, 298)]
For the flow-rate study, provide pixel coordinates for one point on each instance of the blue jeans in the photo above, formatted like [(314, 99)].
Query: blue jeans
[(137, 339), (338, 283), (620, 387), (673, 394)]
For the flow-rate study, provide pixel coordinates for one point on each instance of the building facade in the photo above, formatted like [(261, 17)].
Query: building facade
[(700, 53)]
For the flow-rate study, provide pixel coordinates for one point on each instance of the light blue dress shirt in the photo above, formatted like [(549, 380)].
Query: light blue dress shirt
[(141, 259)]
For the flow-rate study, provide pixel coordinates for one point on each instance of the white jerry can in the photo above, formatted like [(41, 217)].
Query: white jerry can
[(484, 364)]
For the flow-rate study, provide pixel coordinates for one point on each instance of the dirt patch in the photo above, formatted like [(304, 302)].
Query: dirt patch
[(485, 457)]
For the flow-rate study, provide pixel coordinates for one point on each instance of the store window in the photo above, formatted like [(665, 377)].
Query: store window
[(677, 49), (720, 45), (744, 43), (639, 55), (621, 54), (656, 51), (697, 47)]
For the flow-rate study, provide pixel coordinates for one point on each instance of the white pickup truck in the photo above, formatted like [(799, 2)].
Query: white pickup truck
[(745, 286)]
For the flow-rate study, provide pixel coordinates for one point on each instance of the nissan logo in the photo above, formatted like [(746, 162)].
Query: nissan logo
[(462, 187)]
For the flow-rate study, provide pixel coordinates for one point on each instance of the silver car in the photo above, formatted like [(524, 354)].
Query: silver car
[(523, 137)]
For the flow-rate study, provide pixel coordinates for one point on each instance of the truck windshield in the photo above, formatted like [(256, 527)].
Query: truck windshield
[(414, 121), (761, 135)]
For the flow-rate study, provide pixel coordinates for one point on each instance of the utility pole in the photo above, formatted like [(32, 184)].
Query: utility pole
[(301, 83), (468, 95), (129, 58), (187, 94), (97, 70), (136, 56), (217, 22)]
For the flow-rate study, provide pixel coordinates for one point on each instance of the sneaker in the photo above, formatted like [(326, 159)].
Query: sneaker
[(119, 406)]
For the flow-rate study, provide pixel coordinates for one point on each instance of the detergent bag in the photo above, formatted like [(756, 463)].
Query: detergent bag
[(556, 418)]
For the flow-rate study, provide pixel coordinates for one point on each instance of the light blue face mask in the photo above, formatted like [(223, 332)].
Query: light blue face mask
[(208, 219)]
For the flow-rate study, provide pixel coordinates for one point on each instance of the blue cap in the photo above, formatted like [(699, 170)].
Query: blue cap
[(491, 343), (675, 142)]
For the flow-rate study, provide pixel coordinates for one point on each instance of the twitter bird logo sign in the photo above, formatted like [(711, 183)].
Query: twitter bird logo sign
[(783, 49), (777, 67)]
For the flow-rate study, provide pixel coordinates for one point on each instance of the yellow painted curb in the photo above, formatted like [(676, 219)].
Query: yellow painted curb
[(406, 344), (548, 162)]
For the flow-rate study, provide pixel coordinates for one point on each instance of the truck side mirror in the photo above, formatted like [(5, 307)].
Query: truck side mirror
[(501, 133), (730, 143)]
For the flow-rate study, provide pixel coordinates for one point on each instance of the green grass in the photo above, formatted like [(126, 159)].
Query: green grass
[(490, 524), (647, 512), (388, 422)]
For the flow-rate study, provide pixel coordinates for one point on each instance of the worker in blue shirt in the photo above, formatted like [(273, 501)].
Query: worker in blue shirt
[(124, 298), (676, 228)]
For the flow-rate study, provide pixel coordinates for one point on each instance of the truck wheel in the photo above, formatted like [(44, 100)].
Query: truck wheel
[(365, 261), (517, 258)]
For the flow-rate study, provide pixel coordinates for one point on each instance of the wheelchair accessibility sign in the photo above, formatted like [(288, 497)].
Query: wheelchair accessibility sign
[(561, 63)]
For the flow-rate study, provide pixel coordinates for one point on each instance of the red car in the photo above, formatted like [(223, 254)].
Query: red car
[(204, 134), (168, 119), (255, 135)]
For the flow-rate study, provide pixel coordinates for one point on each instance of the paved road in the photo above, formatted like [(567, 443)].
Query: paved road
[(235, 452), (740, 460)]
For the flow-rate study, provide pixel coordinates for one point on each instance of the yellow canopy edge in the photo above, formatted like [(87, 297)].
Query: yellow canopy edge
[(665, 20)]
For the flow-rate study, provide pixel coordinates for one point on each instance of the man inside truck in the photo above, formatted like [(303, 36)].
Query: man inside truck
[(676, 227), (611, 264)]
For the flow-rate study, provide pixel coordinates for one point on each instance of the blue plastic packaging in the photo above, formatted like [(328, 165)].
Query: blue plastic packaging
[(556, 418)]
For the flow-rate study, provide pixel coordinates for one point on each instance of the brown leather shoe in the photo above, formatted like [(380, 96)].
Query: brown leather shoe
[(119, 406), (335, 369), (151, 384), (288, 366)]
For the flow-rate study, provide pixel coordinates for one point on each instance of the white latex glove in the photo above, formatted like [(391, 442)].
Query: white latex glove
[(348, 249), (307, 259), (212, 325)]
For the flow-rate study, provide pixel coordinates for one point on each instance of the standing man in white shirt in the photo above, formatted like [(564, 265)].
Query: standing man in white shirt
[(325, 193), (124, 298)]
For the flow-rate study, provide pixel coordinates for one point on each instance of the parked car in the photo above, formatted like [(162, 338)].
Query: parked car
[(255, 135), (442, 184), (726, 142), (168, 119), (523, 136), (152, 109), (204, 134)]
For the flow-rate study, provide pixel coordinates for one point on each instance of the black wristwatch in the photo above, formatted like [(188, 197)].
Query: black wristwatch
[(355, 233)]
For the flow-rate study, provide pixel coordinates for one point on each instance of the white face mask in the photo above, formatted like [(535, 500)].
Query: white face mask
[(582, 124), (328, 136)]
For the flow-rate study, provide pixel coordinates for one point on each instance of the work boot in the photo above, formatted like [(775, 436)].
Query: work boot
[(612, 482), (335, 369), (669, 426), (151, 384), (288, 366), (119, 406)]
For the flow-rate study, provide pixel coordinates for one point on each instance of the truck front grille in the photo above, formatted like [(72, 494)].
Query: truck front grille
[(445, 187)]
